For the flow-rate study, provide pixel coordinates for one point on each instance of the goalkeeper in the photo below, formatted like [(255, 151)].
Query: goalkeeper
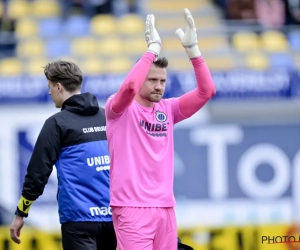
[(141, 184)]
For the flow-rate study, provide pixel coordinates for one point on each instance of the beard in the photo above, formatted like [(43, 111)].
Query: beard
[(153, 97)]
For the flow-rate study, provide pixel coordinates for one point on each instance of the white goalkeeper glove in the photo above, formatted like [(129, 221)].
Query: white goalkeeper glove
[(189, 37), (152, 36)]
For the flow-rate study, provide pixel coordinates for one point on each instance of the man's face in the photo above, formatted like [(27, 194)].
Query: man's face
[(55, 91), (154, 86)]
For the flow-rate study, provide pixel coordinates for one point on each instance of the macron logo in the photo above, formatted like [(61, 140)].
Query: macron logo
[(100, 211)]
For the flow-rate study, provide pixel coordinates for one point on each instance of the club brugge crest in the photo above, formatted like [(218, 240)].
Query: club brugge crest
[(160, 116)]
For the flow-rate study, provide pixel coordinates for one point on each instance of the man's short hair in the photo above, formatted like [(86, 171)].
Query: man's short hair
[(161, 62), (66, 73)]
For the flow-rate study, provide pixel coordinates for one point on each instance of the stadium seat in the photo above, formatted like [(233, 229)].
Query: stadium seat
[(175, 22), (110, 46), (281, 60), (274, 41), (167, 23), (26, 27), (76, 26), (130, 24), (18, 9), (222, 62), (35, 66), (30, 48), (134, 46), (68, 58), (103, 25), (213, 43), (45, 8), (206, 22), (10, 67), (92, 66), (1, 8), (57, 47), (179, 64), (118, 65), (171, 44), (176, 5), (245, 41), (257, 61), (294, 39), (83, 46), (49, 27)]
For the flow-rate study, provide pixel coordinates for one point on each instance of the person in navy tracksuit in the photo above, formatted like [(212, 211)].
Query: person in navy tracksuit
[(74, 140)]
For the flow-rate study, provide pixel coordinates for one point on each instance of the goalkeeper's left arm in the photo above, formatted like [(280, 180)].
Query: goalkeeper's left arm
[(194, 100), (44, 156)]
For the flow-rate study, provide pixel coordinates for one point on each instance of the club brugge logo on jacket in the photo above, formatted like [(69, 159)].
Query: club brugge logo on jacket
[(156, 129)]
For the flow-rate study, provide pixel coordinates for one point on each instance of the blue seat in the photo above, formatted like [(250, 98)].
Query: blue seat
[(76, 26), (294, 39), (57, 47), (281, 60), (49, 27)]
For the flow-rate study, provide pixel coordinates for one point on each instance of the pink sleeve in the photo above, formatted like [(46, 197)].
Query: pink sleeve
[(131, 85), (194, 100), (178, 116)]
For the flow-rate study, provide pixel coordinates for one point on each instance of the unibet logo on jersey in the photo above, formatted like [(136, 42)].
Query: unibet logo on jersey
[(101, 162), (156, 129)]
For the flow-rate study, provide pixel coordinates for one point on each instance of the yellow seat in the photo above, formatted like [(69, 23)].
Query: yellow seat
[(207, 22), (35, 66), (119, 65), (18, 9), (131, 24), (103, 25), (245, 41), (180, 64), (274, 41), (205, 44), (110, 46), (10, 67), (45, 8), (68, 58), (26, 27), (1, 8), (84, 46), (214, 43), (135, 46), (92, 66), (30, 48), (257, 60), (177, 5), (168, 23), (173, 23), (220, 62), (172, 44)]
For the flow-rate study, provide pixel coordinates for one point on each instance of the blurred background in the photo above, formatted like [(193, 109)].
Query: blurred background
[(237, 161)]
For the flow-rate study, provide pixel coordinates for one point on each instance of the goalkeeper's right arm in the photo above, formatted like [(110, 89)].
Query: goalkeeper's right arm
[(138, 73)]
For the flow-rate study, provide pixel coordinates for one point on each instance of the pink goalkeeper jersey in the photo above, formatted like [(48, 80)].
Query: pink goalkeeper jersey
[(142, 153)]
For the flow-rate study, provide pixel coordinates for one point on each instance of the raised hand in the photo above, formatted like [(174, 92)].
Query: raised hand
[(152, 37), (189, 37)]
